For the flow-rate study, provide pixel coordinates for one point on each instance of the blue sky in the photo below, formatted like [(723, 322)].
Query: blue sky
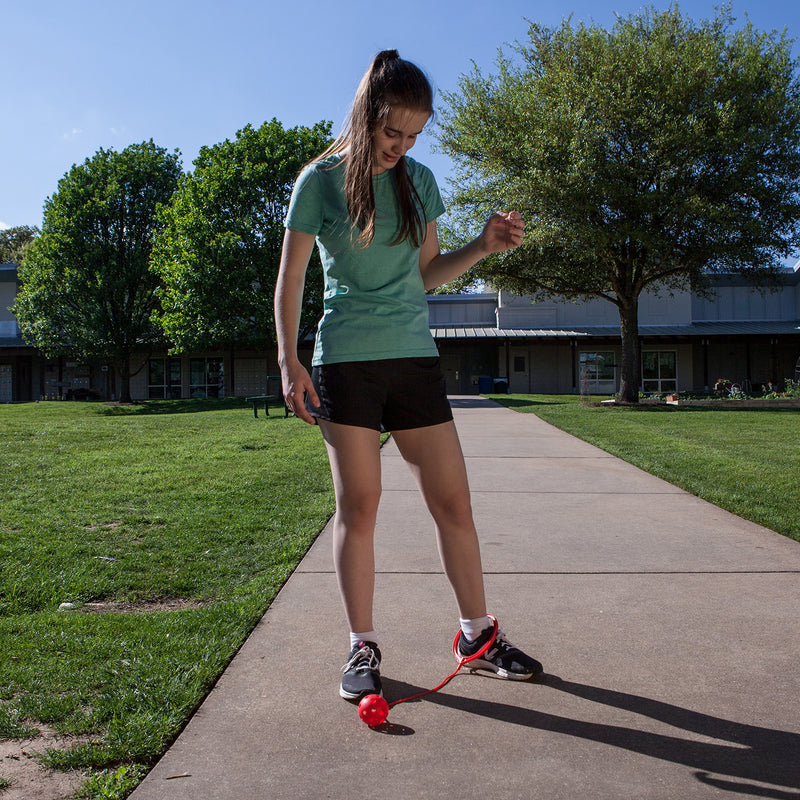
[(86, 74)]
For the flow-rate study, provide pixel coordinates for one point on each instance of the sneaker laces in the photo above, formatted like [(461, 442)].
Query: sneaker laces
[(501, 645), (363, 659)]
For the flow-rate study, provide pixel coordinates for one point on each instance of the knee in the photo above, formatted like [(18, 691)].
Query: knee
[(452, 508), (358, 512)]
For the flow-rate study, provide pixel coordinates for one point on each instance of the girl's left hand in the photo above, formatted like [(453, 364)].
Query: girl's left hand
[(503, 231)]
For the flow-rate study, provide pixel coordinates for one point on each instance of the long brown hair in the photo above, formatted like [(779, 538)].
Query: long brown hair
[(390, 81)]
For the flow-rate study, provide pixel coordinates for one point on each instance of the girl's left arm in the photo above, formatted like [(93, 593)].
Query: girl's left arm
[(503, 231)]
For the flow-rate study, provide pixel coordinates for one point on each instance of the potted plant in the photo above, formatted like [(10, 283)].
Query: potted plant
[(722, 387)]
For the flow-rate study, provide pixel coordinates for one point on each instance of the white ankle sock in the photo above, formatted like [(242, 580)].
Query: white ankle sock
[(472, 628), (368, 636)]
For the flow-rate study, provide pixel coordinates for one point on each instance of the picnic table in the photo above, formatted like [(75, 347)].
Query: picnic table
[(266, 398), (261, 398)]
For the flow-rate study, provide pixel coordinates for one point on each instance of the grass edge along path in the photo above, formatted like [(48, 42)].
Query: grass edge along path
[(742, 459), (127, 512)]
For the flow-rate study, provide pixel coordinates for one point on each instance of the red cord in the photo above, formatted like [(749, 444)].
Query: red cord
[(461, 662)]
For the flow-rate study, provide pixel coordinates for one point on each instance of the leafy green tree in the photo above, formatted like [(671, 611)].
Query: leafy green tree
[(87, 291), (645, 157), (15, 241), (219, 248)]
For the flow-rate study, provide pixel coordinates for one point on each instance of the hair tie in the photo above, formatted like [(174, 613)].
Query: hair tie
[(387, 55)]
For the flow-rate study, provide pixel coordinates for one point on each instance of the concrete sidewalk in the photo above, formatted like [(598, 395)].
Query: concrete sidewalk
[(668, 629)]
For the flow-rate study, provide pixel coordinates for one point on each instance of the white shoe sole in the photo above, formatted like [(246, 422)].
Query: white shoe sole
[(350, 696), (479, 663)]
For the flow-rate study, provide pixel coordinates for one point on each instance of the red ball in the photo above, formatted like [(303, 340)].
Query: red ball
[(373, 710)]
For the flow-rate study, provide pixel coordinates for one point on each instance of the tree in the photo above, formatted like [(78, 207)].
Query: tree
[(87, 292), (645, 157), (15, 241), (219, 248)]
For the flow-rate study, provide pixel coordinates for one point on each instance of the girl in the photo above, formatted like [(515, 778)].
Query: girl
[(372, 211)]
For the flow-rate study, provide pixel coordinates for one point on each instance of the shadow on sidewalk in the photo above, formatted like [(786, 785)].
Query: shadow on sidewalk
[(471, 402), (753, 753)]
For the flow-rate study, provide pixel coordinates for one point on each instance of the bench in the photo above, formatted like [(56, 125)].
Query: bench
[(264, 398)]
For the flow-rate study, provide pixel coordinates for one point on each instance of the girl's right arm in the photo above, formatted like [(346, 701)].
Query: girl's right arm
[(296, 382)]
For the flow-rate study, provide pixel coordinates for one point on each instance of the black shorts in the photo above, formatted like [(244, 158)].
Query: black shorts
[(392, 394)]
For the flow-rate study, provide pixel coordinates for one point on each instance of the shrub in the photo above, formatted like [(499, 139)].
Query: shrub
[(792, 388)]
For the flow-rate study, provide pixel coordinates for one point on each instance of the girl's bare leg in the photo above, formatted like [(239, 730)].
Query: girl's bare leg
[(435, 457), (354, 455)]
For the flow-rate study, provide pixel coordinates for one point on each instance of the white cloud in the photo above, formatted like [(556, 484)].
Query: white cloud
[(72, 134), (4, 226)]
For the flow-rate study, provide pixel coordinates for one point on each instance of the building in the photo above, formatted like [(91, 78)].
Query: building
[(748, 336), (18, 361), (490, 341)]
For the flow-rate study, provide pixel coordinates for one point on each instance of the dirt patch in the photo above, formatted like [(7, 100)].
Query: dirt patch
[(619, 404), (30, 780), (106, 526), (135, 607), (140, 607)]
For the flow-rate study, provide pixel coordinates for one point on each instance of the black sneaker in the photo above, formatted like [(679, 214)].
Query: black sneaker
[(502, 657), (361, 672)]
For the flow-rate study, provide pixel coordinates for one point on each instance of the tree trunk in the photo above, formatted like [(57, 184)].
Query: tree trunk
[(124, 374), (630, 373)]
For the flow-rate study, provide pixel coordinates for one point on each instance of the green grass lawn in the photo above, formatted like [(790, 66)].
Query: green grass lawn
[(198, 504), (746, 460), (189, 503)]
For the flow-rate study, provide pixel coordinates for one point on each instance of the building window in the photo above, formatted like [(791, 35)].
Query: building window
[(659, 371), (164, 381), (206, 377), (598, 372)]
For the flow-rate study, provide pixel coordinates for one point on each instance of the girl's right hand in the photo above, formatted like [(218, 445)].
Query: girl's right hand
[(296, 383)]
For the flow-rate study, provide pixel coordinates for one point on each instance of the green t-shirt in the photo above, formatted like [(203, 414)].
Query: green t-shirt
[(375, 305)]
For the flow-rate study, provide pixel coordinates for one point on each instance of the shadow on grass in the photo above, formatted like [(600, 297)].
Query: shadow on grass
[(526, 402), (193, 406), (775, 407), (702, 408), (523, 402)]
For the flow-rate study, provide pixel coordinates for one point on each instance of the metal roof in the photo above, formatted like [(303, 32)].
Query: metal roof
[(451, 332), (739, 328), (693, 329)]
